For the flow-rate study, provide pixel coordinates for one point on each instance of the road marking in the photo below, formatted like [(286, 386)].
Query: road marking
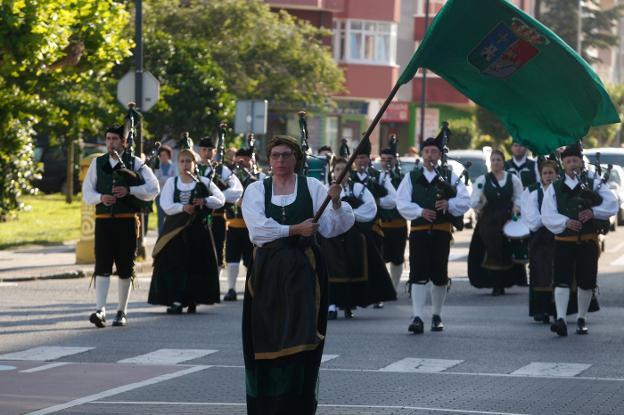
[(415, 365), (458, 254), (118, 390), (328, 357), (168, 356), (552, 369), (326, 405), (617, 248), (6, 368), (44, 353), (8, 284), (44, 367), (618, 262)]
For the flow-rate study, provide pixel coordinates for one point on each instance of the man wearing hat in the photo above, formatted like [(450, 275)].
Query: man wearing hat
[(523, 167), (419, 200), (238, 244), (116, 184), (576, 208), (227, 182)]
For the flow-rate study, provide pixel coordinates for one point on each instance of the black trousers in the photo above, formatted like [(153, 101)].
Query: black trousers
[(238, 246), (115, 242), (578, 260), (218, 233), (429, 252), (394, 242)]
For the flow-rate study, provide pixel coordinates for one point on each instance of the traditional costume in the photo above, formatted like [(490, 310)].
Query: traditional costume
[(525, 169), (285, 305), (116, 226), (576, 253)]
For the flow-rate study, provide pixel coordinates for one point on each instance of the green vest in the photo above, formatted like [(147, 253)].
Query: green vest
[(568, 205), (298, 211), (425, 194), (498, 197), (526, 172), (104, 185)]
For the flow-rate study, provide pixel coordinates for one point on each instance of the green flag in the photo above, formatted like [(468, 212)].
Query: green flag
[(508, 62)]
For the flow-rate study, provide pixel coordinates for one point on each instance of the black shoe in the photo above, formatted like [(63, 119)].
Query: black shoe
[(496, 291), (417, 326), (379, 305), (175, 308), (546, 319), (560, 327), (332, 315), (581, 327), (230, 295), (539, 317), (348, 313), (98, 318), (192, 309), (120, 319), (436, 323)]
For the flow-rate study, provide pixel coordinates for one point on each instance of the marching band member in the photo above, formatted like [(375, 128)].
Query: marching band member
[(116, 184), (419, 199), (185, 262), (285, 305), (575, 209), (524, 168), (496, 195)]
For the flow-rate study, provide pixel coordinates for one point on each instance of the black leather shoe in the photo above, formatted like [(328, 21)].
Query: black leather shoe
[(496, 291), (417, 326), (581, 326), (436, 323), (348, 313), (192, 309), (379, 305), (120, 319), (560, 327), (175, 308), (230, 295), (546, 319), (98, 318), (332, 315)]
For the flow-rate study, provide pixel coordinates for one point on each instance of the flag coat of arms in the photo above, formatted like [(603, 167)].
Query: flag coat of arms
[(506, 61)]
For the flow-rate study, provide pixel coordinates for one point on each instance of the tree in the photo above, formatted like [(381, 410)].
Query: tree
[(48, 48), (489, 124), (463, 133), (597, 25), (610, 135)]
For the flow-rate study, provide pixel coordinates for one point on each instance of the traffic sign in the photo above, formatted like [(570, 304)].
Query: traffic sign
[(251, 117), (151, 90)]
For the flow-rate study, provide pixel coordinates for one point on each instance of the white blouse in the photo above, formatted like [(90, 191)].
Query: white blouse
[(478, 201), (235, 188), (530, 208), (387, 202), (170, 207), (368, 210)]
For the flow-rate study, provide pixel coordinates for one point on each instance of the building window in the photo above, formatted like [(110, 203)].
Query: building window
[(363, 41), (434, 7), (331, 130)]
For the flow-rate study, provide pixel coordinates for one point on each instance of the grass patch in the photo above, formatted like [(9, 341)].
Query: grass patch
[(48, 221)]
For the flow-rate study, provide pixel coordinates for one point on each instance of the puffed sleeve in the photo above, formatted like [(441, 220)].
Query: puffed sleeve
[(552, 219), (262, 230), (216, 199), (368, 210), (149, 190), (530, 210), (459, 204), (388, 201), (408, 209), (477, 201), (609, 206), (235, 188), (332, 222), (166, 198), (517, 191)]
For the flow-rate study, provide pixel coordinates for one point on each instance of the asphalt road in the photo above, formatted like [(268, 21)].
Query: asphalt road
[(491, 358)]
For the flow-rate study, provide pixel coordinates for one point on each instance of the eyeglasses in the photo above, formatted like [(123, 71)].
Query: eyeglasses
[(285, 155)]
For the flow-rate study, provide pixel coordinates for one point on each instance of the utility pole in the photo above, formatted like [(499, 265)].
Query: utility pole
[(423, 92), (138, 63), (579, 23)]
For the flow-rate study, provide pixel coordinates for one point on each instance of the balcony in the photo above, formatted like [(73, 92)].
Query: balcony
[(318, 5)]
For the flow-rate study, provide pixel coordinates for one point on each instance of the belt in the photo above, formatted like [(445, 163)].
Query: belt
[(116, 216), (445, 227), (394, 223), (238, 223), (219, 214), (576, 238)]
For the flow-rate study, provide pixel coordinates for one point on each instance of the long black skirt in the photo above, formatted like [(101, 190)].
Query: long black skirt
[(185, 270), (284, 326)]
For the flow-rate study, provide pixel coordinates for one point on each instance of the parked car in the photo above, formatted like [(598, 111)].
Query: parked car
[(479, 162), (616, 184), (608, 155)]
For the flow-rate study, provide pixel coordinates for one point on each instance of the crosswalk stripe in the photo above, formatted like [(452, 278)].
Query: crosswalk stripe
[(618, 262), (44, 367), (458, 254), (168, 356), (552, 369), (44, 353), (328, 357), (416, 365)]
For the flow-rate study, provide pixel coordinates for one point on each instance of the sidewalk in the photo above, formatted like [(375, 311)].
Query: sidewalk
[(34, 262)]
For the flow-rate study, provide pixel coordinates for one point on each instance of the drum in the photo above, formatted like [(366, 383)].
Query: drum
[(518, 234)]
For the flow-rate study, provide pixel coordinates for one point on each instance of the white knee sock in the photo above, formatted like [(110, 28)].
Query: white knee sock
[(584, 299), (395, 272), (438, 295), (332, 307), (419, 297), (233, 268), (101, 292), (124, 294), (562, 297)]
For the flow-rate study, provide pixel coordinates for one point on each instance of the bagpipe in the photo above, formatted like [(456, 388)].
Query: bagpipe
[(216, 172), (587, 197), (245, 175), (313, 166)]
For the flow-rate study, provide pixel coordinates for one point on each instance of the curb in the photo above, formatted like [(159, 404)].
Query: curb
[(75, 274)]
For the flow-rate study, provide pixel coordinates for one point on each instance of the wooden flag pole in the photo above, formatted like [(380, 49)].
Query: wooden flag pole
[(366, 138)]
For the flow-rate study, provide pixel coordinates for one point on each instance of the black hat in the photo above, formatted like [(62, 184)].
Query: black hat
[(365, 148), (116, 129), (325, 148), (436, 142), (388, 151), (574, 149), (206, 142), (243, 152)]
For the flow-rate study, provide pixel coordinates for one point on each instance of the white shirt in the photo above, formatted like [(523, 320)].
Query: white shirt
[(387, 202), (235, 188), (478, 201), (556, 222), (368, 210), (458, 205), (146, 192), (263, 230), (517, 164), (530, 208), (215, 201)]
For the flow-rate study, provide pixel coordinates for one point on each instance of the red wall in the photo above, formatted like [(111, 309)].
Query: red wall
[(438, 92), (386, 10), (368, 81)]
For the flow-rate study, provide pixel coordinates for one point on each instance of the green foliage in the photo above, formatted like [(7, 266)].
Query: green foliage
[(489, 124), (463, 131), (597, 25), (608, 135)]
